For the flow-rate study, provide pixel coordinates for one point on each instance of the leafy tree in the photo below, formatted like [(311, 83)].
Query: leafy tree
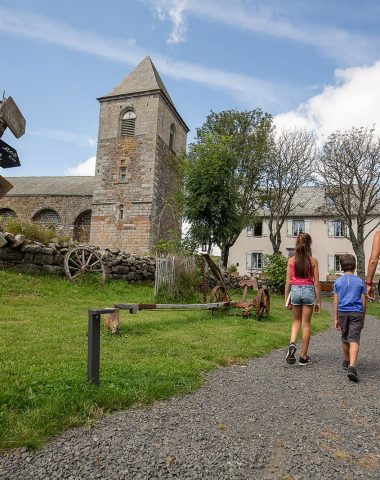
[(224, 168), (349, 169), (290, 166)]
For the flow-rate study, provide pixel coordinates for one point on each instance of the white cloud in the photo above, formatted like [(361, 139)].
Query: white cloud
[(347, 47), (353, 101), (174, 10), (247, 89), (86, 168)]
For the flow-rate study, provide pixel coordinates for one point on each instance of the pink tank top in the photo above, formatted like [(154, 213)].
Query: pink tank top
[(300, 281)]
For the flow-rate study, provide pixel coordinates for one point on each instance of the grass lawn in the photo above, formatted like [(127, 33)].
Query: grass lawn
[(373, 308), (43, 352)]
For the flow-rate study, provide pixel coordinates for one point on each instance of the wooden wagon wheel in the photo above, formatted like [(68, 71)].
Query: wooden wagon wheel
[(82, 260), (219, 294), (262, 303)]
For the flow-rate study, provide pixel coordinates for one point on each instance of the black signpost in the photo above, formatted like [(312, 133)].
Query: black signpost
[(8, 156)]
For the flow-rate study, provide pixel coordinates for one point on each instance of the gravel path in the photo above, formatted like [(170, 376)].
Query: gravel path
[(262, 420)]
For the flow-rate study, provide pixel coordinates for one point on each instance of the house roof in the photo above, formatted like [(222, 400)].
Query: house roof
[(52, 186), (308, 201)]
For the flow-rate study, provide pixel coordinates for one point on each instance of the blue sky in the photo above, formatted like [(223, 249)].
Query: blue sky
[(311, 64)]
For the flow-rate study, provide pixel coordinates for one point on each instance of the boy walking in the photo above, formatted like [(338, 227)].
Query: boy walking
[(349, 312)]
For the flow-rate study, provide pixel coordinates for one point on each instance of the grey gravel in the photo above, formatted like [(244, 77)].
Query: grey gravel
[(261, 420)]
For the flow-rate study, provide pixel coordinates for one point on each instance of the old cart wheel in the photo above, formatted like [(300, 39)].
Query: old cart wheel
[(219, 294), (82, 260), (262, 303)]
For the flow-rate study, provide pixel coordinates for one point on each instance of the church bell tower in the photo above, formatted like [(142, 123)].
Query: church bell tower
[(141, 137)]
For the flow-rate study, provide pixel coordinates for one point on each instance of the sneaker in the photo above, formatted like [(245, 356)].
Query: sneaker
[(290, 358), (352, 374), (305, 361), (345, 364)]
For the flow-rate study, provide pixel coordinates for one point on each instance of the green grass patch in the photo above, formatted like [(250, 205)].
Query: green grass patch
[(43, 352), (373, 308)]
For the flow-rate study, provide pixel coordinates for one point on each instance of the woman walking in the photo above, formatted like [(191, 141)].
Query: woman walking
[(302, 295)]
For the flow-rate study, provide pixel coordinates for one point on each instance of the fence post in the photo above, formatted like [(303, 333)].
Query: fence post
[(93, 346)]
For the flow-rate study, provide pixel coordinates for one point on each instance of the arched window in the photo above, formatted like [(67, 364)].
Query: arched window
[(82, 226), (7, 213), (172, 135), (48, 218), (128, 124)]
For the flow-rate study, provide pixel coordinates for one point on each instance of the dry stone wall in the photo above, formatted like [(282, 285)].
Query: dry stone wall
[(23, 255)]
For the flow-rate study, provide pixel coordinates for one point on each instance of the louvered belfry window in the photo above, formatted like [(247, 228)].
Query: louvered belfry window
[(128, 124)]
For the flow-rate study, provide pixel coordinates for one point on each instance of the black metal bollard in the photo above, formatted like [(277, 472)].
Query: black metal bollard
[(93, 357)]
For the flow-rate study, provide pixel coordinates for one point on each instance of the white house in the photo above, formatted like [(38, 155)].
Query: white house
[(329, 236)]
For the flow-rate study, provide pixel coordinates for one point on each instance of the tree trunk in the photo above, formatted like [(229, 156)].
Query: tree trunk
[(275, 239), (360, 258), (225, 254)]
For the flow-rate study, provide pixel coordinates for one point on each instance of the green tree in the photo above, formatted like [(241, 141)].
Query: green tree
[(224, 167)]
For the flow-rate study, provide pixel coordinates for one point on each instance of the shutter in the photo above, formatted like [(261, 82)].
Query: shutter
[(249, 261), (331, 228), (331, 263), (249, 231), (265, 228), (346, 231), (307, 226), (290, 228)]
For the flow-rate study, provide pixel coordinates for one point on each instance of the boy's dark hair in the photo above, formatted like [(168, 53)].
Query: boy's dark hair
[(347, 262)]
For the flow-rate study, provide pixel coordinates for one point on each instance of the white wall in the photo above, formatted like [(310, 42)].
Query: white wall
[(323, 245)]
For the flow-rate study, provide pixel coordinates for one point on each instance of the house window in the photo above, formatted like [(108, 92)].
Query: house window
[(256, 230), (128, 124), (297, 226), (254, 261), (123, 174), (337, 228), (121, 212), (172, 135), (334, 263)]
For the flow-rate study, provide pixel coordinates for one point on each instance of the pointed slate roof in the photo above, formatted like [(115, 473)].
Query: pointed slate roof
[(143, 78)]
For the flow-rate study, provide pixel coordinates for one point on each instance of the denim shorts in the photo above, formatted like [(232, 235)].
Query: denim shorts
[(302, 295)]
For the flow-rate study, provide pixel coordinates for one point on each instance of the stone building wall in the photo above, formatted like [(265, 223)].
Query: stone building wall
[(130, 231), (68, 208)]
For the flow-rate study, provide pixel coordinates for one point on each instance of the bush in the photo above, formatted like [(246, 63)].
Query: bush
[(275, 271), (31, 231)]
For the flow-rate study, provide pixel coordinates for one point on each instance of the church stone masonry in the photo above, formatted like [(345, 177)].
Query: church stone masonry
[(132, 203), (129, 204)]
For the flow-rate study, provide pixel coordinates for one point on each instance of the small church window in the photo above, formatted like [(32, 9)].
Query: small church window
[(123, 174), (128, 124), (121, 212), (172, 134)]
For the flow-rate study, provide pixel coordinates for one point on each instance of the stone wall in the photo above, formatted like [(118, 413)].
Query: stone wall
[(26, 256), (67, 208)]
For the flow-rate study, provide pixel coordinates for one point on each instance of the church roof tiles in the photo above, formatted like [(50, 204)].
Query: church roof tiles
[(51, 186)]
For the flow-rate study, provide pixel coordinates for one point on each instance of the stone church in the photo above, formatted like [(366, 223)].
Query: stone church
[(130, 202)]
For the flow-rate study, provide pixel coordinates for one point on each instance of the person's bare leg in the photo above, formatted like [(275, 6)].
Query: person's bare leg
[(346, 351), (297, 319), (354, 350), (307, 311)]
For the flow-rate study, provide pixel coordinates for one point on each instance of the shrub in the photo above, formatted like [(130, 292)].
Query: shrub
[(31, 231), (232, 268), (275, 271)]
